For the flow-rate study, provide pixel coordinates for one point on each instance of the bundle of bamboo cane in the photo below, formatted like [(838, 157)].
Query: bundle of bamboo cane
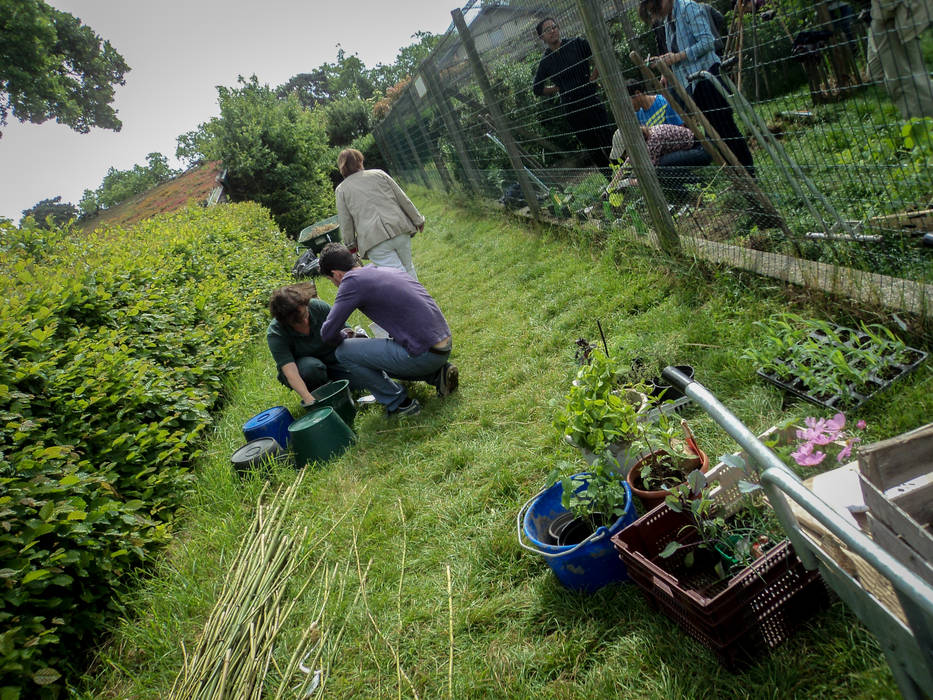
[(235, 656)]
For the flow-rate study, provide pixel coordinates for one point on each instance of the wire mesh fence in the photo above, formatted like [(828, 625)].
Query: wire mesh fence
[(789, 137)]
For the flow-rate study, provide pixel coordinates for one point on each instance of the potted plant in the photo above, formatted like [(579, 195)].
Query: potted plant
[(571, 521), (727, 543), (600, 411), (701, 557), (670, 453)]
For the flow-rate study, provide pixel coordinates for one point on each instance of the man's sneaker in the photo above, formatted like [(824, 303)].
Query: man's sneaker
[(449, 380), (408, 407)]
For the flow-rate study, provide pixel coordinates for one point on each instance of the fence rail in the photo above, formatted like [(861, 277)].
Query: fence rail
[(806, 151)]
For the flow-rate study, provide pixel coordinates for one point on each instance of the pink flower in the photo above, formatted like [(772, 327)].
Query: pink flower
[(847, 450), (806, 457), (861, 425)]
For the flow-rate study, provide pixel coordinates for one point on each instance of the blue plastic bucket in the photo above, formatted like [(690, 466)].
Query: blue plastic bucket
[(585, 567), (273, 423)]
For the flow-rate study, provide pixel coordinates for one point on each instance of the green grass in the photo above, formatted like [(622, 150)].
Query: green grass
[(441, 490)]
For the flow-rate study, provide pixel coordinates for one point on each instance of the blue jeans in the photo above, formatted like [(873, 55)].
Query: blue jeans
[(316, 373), (675, 170), (374, 363)]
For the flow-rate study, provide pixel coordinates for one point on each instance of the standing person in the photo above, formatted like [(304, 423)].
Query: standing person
[(896, 29), (375, 215), (302, 359), (420, 341), (565, 70), (691, 48)]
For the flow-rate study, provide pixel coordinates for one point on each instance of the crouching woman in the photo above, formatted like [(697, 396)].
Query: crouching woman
[(303, 360)]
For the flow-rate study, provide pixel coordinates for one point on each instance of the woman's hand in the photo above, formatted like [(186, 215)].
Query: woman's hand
[(671, 58)]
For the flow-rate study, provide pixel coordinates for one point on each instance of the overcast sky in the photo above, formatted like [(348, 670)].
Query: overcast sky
[(178, 51)]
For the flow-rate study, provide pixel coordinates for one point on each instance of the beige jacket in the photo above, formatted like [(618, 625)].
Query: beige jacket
[(372, 208)]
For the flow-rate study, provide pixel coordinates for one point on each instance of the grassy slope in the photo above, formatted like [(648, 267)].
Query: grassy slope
[(442, 489)]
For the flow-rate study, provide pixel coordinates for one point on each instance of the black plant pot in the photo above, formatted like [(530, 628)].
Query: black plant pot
[(661, 390)]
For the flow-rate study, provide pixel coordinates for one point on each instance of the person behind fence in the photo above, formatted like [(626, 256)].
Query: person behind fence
[(691, 48), (674, 152), (897, 28), (419, 343), (650, 109), (375, 215), (303, 360), (564, 69)]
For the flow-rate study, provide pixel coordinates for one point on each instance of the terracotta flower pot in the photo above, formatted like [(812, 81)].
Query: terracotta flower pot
[(649, 498)]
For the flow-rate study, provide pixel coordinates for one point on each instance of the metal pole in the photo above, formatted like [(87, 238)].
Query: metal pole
[(628, 126), (497, 117), (429, 71), (435, 156), (765, 137), (411, 144)]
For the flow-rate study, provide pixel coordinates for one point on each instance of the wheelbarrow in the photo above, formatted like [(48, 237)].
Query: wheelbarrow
[(907, 643), (318, 235)]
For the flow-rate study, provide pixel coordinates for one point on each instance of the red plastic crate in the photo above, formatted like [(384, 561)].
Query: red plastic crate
[(739, 618)]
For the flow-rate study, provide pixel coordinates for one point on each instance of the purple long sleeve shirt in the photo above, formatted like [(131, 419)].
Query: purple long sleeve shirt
[(394, 300)]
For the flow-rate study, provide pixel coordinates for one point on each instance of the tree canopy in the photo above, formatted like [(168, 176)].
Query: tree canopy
[(50, 213), (275, 152), (53, 66), (120, 185)]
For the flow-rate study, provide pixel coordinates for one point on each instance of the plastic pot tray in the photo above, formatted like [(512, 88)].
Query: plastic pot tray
[(738, 619), (883, 376)]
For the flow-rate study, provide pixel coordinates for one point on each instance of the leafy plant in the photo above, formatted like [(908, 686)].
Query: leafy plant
[(116, 345), (828, 360), (598, 409), (667, 459), (737, 540), (597, 495)]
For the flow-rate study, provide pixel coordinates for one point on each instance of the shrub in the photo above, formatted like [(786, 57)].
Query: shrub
[(115, 347)]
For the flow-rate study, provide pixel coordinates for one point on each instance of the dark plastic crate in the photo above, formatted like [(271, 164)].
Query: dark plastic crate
[(739, 618)]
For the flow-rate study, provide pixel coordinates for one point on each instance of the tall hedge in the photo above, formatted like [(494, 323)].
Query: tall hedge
[(115, 345)]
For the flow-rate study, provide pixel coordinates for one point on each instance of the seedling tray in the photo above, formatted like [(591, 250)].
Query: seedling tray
[(881, 378)]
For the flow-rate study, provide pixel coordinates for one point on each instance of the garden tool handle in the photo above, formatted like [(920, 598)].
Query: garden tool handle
[(678, 379), (599, 534)]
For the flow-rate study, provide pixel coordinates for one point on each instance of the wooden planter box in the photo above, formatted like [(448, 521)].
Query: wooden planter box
[(896, 477)]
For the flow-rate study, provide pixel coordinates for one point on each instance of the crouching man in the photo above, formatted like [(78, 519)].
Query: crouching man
[(303, 360), (420, 342)]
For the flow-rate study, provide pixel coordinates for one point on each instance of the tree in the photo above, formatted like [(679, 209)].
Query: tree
[(274, 150), (347, 118), (348, 77), (406, 61), (120, 185), (52, 66), (50, 213)]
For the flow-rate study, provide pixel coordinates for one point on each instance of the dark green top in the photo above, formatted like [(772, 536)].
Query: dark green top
[(288, 345)]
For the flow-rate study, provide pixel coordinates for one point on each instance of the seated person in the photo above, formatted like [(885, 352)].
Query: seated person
[(420, 341), (303, 360), (650, 110), (673, 150)]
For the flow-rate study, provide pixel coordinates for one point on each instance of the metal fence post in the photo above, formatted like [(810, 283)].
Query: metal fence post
[(498, 118), (429, 71), (429, 142), (628, 126), (411, 144)]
